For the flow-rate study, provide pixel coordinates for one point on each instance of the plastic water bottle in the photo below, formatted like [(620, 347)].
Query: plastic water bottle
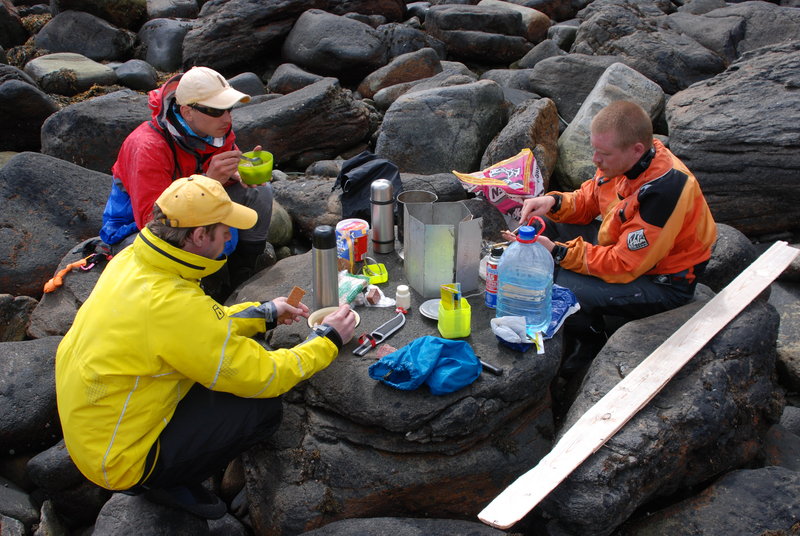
[(525, 281)]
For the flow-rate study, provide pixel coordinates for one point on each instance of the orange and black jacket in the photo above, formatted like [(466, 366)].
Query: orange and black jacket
[(656, 222)]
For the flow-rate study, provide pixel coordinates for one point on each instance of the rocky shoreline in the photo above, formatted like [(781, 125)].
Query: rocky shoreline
[(435, 87)]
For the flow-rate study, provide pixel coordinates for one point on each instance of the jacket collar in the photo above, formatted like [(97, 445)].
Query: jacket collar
[(161, 254)]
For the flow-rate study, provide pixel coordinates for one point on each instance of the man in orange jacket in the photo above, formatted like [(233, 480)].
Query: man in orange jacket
[(654, 233)]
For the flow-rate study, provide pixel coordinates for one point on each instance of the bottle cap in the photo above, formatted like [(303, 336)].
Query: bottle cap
[(324, 237), (497, 251), (526, 234), (381, 191)]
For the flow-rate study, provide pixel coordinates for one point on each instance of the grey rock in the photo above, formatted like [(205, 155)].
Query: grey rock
[(402, 39), (370, 20), (138, 75), (50, 523), (367, 450), (534, 22), (15, 312), (763, 24), (281, 229), (781, 448), (12, 31), (568, 80), (86, 34), (28, 418), (574, 150), (511, 78), (16, 504), (719, 34), (289, 77), (731, 253), (90, 133), (423, 63), (248, 83), (56, 310), (157, 9), (790, 419), (620, 28), (718, 129), (464, 117), (546, 49), (129, 14), (349, 51), (231, 37), (53, 469), (792, 272), (785, 297), (533, 125), (418, 9), (161, 43), (67, 73), (699, 7), (126, 514), (227, 526), (747, 502), (707, 420), (47, 205), (392, 10), (386, 96), (310, 201), (396, 526), (479, 33), (558, 10), (493, 220), (313, 123), (12, 527), (563, 34)]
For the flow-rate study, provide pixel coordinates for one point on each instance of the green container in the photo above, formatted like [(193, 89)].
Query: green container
[(455, 323), (254, 173)]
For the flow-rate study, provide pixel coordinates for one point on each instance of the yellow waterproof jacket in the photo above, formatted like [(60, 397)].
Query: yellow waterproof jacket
[(146, 334)]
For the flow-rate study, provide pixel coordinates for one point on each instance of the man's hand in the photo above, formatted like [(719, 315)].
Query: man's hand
[(536, 206), (294, 314), (223, 167), (238, 178), (343, 320), (546, 242)]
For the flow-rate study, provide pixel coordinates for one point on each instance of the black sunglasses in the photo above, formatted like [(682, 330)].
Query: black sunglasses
[(211, 112)]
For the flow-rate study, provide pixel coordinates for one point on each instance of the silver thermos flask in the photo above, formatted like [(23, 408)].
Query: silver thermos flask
[(381, 196), (323, 263)]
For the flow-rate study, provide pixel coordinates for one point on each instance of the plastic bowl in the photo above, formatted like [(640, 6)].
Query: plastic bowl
[(258, 174), (317, 316)]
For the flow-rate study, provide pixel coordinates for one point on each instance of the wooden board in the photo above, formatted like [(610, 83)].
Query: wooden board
[(611, 412)]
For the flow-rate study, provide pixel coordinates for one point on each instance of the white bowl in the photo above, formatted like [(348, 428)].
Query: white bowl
[(317, 316)]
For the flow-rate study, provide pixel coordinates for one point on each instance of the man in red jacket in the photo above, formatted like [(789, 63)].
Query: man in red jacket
[(631, 241), (189, 133)]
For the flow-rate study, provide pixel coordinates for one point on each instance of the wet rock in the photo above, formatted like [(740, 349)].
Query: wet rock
[(731, 253), (313, 123), (248, 83), (718, 128), (47, 206), (67, 73), (128, 14), (408, 67), (533, 125), (15, 312), (138, 75), (28, 415), (707, 420), (126, 514), (546, 49), (349, 49), (231, 37), (464, 117), (87, 35), (479, 33), (748, 501), (161, 43), (187, 9), (90, 133), (574, 150), (289, 77)]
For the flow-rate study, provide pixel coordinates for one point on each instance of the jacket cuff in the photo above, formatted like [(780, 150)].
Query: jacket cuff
[(559, 252), (330, 333), (557, 205), (270, 314)]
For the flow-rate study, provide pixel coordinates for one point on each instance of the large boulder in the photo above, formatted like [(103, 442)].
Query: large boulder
[(12, 31), (392, 10), (749, 501), (535, 22), (731, 253), (351, 447), (15, 313), (47, 206), (289, 77), (24, 108), (439, 130), (574, 150), (408, 67), (128, 14), (335, 46), (386, 96), (90, 133), (402, 39), (405, 527), (28, 414), (161, 43), (67, 73), (709, 419), (718, 128), (314, 123), (533, 125), (235, 36), (127, 514), (85, 34), (630, 30)]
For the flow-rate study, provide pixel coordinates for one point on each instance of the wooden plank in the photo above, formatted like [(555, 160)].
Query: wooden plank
[(633, 392)]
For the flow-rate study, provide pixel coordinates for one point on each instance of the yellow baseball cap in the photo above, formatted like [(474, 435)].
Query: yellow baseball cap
[(206, 87), (197, 201)]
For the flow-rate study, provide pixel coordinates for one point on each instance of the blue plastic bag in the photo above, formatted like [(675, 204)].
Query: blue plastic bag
[(445, 365)]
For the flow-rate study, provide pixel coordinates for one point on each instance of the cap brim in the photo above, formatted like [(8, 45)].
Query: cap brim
[(225, 99), (240, 217)]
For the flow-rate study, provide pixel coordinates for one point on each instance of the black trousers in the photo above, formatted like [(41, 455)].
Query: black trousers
[(644, 296), (207, 431)]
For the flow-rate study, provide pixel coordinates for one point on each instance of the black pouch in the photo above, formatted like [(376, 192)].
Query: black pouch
[(355, 179)]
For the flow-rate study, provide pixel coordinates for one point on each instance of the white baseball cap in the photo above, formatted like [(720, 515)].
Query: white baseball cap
[(206, 87)]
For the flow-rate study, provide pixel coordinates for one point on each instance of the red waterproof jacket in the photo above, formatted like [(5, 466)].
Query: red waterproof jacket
[(656, 223)]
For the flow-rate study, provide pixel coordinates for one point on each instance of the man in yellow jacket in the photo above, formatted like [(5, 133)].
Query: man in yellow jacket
[(158, 385)]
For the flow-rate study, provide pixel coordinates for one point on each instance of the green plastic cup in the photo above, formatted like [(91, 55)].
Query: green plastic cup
[(254, 173)]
